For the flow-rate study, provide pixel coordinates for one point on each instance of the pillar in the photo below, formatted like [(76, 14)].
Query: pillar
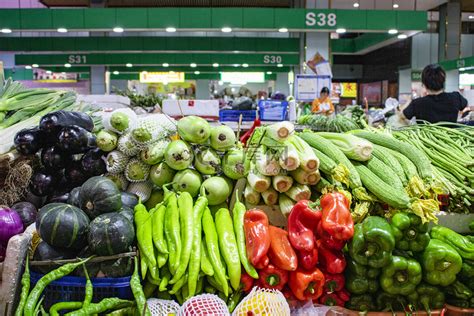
[(281, 83), (98, 80), (449, 46), (202, 89)]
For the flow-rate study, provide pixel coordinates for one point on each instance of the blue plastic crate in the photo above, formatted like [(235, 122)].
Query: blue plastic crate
[(273, 110), (234, 115), (71, 288)]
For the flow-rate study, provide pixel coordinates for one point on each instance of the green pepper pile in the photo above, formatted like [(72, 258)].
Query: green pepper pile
[(399, 264)]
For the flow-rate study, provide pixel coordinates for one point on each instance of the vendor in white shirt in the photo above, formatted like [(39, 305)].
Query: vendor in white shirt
[(323, 104)]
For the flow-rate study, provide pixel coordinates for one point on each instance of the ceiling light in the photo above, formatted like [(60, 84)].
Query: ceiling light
[(35, 65), (236, 65), (116, 72), (356, 4), (226, 29), (221, 82), (269, 72), (193, 65), (6, 31), (245, 65), (62, 30), (49, 72), (171, 72), (128, 65), (170, 29), (395, 5), (236, 51), (28, 67), (471, 17), (197, 72), (392, 31), (67, 65), (144, 72), (341, 30), (215, 65), (283, 30), (462, 69), (63, 73), (280, 65), (166, 65), (118, 29), (402, 36)]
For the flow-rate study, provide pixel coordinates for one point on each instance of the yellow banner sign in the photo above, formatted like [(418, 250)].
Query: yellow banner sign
[(349, 90), (161, 77)]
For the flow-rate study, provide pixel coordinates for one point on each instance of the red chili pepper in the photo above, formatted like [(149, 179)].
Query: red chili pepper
[(306, 285), (331, 299), (328, 240), (336, 216), (246, 282), (332, 261), (257, 235), (344, 295), (302, 223), (308, 259), (272, 278), (334, 282), (281, 253), (246, 136)]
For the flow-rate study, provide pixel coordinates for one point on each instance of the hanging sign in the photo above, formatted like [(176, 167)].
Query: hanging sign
[(164, 77)]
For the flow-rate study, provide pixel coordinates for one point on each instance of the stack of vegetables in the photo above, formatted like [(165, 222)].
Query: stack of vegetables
[(352, 118), (400, 264)]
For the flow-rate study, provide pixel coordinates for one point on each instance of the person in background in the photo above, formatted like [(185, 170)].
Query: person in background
[(436, 105), (323, 104)]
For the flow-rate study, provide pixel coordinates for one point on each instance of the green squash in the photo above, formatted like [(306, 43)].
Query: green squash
[(117, 268), (127, 212), (129, 199), (110, 234), (73, 198), (63, 225), (99, 195)]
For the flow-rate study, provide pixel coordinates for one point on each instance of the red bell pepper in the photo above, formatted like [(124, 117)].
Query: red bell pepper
[(272, 278), (257, 235), (328, 240), (302, 223), (265, 261), (331, 299), (281, 253), (308, 259), (246, 282), (344, 295), (334, 282), (306, 285), (290, 297), (332, 261), (336, 216)]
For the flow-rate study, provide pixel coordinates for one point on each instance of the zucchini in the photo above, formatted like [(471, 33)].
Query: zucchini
[(384, 172), (387, 158), (384, 192)]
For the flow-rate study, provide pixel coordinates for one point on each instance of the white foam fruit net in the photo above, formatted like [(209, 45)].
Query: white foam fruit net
[(159, 307), (204, 305), (263, 302)]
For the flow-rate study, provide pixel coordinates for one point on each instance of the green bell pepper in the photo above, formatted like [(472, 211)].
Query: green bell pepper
[(388, 302), (361, 279), (409, 232), (467, 270), (458, 302), (460, 243), (427, 297), (373, 242), (401, 276), (362, 302), (440, 263), (458, 290)]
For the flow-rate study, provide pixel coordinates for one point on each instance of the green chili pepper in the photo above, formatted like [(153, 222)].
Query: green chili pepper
[(228, 246), (178, 285), (460, 243), (158, 219), (172, 232), (165, 279), (222, 296), (38, 306), (154, 273), (199, 286), (238, 213), (54, 310), (25, 288), (143, 265), (150, 279), (89, 289), (137, 291), (213, 282), (161, 259), (144, 234), (102, 306), (195, 260), (234, 300), (206, 265), (213, 249), (127, 311), (185, 292), (210, 289), (179, 298), (43, 311), (149, 288), (164, 295), (45, 280), (185, 206)]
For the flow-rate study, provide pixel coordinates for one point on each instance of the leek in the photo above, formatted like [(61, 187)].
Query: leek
[(303, 177), (353, 147), (251, 196), (286, 204), (280, 131), (270, 197), (299, 192), (282, 183), (308, 160), (314, 177), (257, 181), (266, 163), (289, 159)]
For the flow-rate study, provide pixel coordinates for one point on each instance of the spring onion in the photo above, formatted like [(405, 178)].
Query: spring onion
[(280, 131), (286, 204), (257, 181), (270, 197), (251, 196), (299, 192), (308, 160), (266, 162), (282, 183), (289, 159)]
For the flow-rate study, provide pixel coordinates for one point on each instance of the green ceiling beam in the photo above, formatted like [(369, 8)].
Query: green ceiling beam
[(201, 69), (191, 76), (156, 59), (157, 44), (461, 63), (359, 44), (253, 19)]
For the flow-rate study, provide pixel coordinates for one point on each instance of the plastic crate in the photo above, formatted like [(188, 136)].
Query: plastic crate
[(234, 115), (273, 110), (71, 288)]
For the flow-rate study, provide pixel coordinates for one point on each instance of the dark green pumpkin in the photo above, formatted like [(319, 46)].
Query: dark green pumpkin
[(74, 197), (127, 212), (62, 225), (44, 251), (93, 268), (110, 234), (99, 195), (117, 268), (129, 199)]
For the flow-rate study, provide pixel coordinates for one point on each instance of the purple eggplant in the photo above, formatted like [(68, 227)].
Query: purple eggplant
[(75, 139), (53, 158), (53, 122), (29, 141), (92, 162), (74, 174), (27, 212), (43, 182)]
